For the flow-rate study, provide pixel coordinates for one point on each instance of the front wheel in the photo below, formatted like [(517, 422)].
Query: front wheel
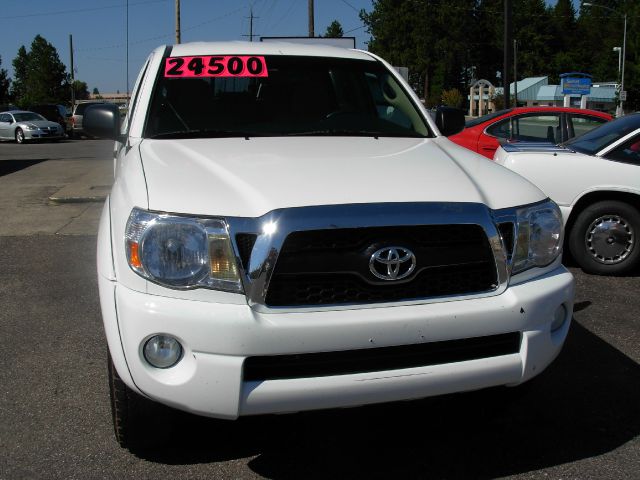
[(138, 423), (19, 135), (603, 239)]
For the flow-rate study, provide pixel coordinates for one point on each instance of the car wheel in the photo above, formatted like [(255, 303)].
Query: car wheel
[(138, 422), (603, 239), (19, 135)]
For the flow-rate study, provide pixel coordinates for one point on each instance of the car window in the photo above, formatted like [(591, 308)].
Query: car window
[(628, 152), (581, 124), (5, 118), (27, 116), (501, 129), (597, 139), (486, 118), (81, 107), (536, 128), (297, 96), (126, 121)]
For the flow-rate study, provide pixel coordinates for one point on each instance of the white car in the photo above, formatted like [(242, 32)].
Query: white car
[(23, 126), (595, 179), (289, 230)]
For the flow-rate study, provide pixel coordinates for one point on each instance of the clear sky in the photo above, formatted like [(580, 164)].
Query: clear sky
[(99, 29)]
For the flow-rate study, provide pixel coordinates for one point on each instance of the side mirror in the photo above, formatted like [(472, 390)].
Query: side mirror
[(449, 120), (102, 121)]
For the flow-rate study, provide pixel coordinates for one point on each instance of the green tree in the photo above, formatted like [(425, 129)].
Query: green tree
[(452, 97), (427, 36), (448, 44), (40, 76), (81, 90), (20, 67), (96, 91), (334, 30), (4, 84)]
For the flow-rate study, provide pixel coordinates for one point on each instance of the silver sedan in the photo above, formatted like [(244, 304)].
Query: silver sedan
[(23, 126)]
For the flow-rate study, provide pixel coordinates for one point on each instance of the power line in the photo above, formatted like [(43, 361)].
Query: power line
[(167, 35), (347, 3), (79, 10)]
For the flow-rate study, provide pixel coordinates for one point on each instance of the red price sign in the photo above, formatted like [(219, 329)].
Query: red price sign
[(215, 66)]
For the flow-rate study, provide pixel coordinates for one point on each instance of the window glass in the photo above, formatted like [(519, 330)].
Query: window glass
[(300, 96), (581, 124), (536, 128), (28, 116), (124, 127), (597, 139), (502, 129), (486, 118), (628, 152)]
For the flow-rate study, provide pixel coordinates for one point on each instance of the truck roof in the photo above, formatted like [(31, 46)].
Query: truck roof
[(266, 48)]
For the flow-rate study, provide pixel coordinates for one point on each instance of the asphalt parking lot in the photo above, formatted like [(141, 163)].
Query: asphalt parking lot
[(579, 420)]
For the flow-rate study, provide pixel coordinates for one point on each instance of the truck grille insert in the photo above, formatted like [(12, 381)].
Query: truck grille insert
[(310, 365), (331, 267)]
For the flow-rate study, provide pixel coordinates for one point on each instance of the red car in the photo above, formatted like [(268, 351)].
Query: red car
[(527, 124)]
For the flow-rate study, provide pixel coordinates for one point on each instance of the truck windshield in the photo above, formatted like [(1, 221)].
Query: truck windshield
[(313, 96)]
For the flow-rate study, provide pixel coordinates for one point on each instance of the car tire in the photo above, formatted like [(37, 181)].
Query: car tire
[(138, 423), (19, 136), (603, 239)]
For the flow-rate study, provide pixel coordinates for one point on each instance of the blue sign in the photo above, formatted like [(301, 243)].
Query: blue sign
[(576, 86)]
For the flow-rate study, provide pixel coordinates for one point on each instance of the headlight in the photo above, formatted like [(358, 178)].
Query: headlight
[(539, 236), (29, 126), (181, 252)]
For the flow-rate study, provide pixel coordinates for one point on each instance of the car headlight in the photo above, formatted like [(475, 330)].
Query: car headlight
[(30, 126), (540, 232), (181, 252)]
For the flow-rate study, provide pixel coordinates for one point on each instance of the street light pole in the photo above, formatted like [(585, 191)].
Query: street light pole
[(624, 49), (620, 110)]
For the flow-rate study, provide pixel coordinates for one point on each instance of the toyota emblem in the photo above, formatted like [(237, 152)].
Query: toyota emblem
[(392, 263)]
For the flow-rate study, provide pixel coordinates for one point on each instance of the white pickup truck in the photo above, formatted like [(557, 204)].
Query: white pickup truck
[(289, 230)]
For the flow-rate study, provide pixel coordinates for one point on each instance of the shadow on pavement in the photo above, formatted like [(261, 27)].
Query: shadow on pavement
[(12, 166), (586, 404)]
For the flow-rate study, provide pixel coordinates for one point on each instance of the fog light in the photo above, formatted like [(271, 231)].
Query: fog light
[(559, 318), (162, 351)]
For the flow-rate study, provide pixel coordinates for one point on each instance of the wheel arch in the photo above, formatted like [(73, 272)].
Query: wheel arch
[(599, 196)]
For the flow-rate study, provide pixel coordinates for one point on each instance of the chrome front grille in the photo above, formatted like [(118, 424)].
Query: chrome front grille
[(319, 257), (332, 267)]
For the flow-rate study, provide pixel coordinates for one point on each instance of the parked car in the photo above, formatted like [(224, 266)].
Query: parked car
[(527, 124), (595, 179), (53, 112), (265, 249), (76, 117), (22, 126)]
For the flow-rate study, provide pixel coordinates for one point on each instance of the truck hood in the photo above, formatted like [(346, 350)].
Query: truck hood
[(250, 177)]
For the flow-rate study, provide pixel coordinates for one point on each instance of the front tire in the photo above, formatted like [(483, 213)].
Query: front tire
[(603, 240), (19, 136), (138, 422)]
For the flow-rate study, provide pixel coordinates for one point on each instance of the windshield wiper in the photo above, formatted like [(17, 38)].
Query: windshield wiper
[(205, 133), (350, 133)]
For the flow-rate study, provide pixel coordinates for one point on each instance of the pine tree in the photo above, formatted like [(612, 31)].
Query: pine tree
[(4, 84), (20, 67), (334, 30), (40, 76)]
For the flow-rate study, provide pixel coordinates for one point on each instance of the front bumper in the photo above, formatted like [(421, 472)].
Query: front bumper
[(43, 135), (218, 338)]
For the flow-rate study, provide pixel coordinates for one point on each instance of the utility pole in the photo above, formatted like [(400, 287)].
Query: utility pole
[(515, 72), (250, 17), (177, 21), (311, 32), (127, 55), (73, 90), (506, 77)]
